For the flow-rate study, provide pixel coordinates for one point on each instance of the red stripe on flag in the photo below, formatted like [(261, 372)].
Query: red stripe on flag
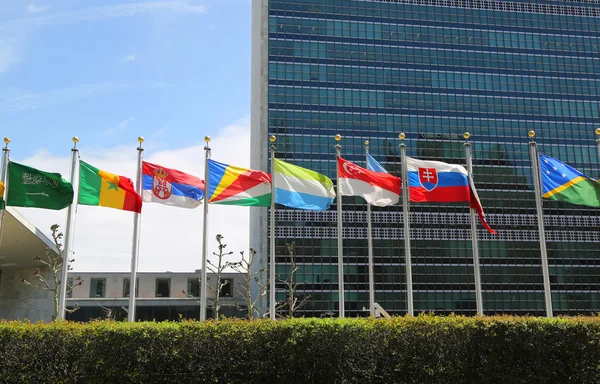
[(440, 194), (349, 170), (244, 182), (133, 201)]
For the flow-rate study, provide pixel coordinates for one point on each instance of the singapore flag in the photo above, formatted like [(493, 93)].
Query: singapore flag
[(379, 189)]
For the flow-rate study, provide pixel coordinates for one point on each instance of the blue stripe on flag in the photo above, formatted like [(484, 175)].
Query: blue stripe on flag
[(445, 179), (302, 200), (373, 165), (176, 189)]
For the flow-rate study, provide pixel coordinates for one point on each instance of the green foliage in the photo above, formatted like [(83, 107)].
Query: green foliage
[(423, 349)]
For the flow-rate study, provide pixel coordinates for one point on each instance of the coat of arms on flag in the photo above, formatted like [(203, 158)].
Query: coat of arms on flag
[(161, 188), (428, 178)]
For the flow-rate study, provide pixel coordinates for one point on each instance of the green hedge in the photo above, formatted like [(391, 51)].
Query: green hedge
[(423, 349)]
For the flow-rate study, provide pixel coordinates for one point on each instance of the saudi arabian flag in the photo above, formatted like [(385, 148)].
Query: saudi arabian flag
[(30, 187)]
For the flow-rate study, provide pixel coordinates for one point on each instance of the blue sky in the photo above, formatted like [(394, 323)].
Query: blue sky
[(108, 71)]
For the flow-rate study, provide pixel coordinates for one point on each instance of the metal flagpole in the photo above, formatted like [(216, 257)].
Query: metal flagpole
[(405, 196), (3, 177), (204, 283), (272, 235), (370, 246), (135, 248), (69, 232), (537, 179), (474, 239), (338, 149)]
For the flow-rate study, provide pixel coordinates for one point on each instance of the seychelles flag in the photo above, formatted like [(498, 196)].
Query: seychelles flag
[(171, 187), (434, 181)]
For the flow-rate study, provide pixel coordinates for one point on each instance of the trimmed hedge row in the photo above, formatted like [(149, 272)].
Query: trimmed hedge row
[(423, 349)]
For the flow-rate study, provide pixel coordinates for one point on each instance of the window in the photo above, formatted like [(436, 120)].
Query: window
[(227, 289), (126, 287), (163, 287), (97, 287), (193, 286)]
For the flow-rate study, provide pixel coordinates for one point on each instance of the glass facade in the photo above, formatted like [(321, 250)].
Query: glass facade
[(369, 70)]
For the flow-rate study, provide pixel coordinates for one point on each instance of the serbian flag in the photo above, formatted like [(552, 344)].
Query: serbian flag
[(434, 181), (171, 187), (379, 189)]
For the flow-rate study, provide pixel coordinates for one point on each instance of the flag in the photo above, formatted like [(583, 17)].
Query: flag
[(434, 181), (562, 182), (238, 186), (101, 188), (374, 165), (379, 189), (1, 195), (30, 187), (170, 186), (298, 187)]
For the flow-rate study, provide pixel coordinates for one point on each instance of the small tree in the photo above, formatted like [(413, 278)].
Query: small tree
[(291, 304), (217, 270), (54, 261), (244, 267)]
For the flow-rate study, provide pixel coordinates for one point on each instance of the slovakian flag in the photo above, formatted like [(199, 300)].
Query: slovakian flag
[(170, 186), (435, 181), (379, 189)]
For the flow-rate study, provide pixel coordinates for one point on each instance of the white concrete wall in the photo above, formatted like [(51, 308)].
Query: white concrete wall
[(19, 301)]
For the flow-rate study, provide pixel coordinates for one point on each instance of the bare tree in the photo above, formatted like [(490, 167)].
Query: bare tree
[(292, 302), (217, 270), (244, 267), (54, 261)]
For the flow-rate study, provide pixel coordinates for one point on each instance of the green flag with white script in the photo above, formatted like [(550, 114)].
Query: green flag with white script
[(30, 187)]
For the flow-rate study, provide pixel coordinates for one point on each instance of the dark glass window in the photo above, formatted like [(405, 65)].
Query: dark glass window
[(97, 287), (163, 287)]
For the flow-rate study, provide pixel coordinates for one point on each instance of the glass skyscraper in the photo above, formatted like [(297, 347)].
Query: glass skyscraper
[(433, 69)]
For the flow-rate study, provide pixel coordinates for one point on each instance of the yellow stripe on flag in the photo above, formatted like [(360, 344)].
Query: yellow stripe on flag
[(110, 194), (1, 190), (230, 175), (561, 188)]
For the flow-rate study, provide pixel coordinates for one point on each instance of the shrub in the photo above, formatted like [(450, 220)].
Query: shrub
[(423, 349)]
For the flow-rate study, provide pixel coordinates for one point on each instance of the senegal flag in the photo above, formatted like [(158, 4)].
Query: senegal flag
[(1, 195), (101, 188)]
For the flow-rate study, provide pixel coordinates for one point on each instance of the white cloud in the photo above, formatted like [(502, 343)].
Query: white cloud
[(171, 238), (118, 128), (17, 101), (129, 58), (35, 9)]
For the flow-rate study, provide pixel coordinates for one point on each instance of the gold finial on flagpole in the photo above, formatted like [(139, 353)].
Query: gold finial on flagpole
[(272, 139), (466, 135), (401, 136), (338, 137), (367, 142), (7, 141), (207, 139), (531, 134), (598, 131)]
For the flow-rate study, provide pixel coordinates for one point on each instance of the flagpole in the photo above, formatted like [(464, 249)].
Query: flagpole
[(474, 235), (338, 149), (535, 165), (405, 196), (204, 283), (370, 246), (3, 172), (69, 235), (135, 248), (272, 235)]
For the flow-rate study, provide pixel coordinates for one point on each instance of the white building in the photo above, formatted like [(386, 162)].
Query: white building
[(21, 242), (160, 296)]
